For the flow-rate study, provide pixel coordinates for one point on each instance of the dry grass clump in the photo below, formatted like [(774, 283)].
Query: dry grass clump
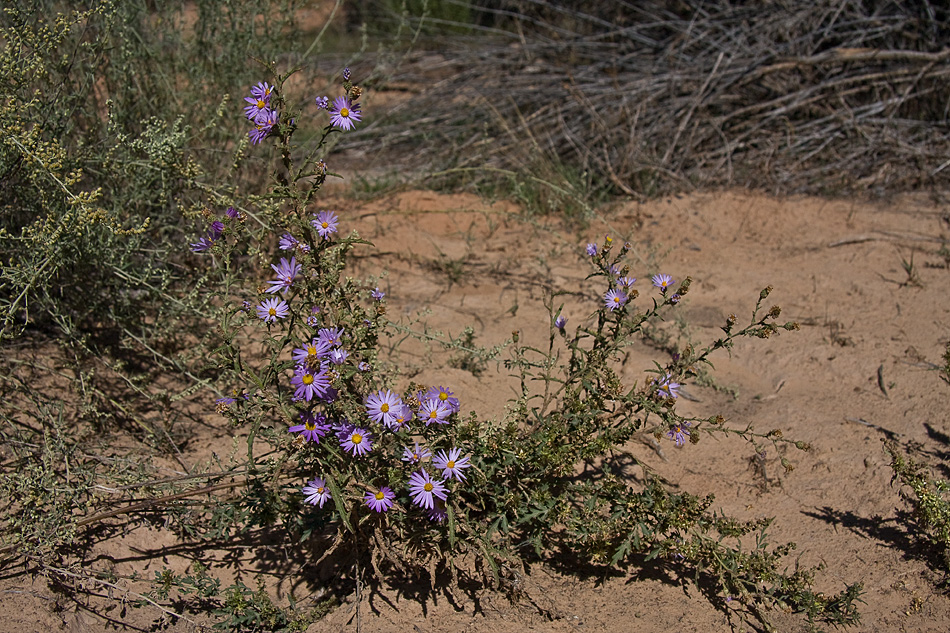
[(805, 96)]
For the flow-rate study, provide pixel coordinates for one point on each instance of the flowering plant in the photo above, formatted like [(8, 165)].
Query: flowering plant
[(401, 473)]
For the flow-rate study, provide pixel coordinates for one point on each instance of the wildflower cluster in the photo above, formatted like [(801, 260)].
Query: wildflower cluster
[(619, 319), (260, 112), (358, 444), (215, 232), (387, 417), (262, 109)]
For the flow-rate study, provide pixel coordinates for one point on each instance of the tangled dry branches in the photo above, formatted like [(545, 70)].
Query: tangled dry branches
[(798, 96)]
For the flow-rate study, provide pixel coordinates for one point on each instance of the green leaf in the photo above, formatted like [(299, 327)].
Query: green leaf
[(338, 502)]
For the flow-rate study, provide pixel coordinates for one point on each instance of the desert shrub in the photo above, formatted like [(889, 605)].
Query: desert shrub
[(927, 494), (110, 116), (929, 499)]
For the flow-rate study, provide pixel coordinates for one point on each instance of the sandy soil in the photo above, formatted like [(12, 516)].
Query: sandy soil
[(861, 366)]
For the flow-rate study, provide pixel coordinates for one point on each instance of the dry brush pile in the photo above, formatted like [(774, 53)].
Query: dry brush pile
[(798, 96)]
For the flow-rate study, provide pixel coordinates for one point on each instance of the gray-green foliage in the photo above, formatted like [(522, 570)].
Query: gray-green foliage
[(118, 122), (112, 127)]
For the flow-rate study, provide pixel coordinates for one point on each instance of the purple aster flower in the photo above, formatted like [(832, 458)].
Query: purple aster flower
[(309, 383), (325, 223), (678, 433), (332, 335), (438, 512), (256, 105), (423, 489), (363, 366), (380, 501), (259, 133), (675, 298), (286, 273), (344, 114), (663, 281), (357, 441), (316, 492), (216, 229), (591, 249), (415, 454), (667, 388), (451, 465), (263, 91), (377, 294), (287, 242), (434, 411), (626, 282), (263, 125), (313, 428), (338, 356), (343, 429), (323, 103), (272, 309), (560, 322), (403, 416), (290, 243), (615, 299), (232, 213), (346, 74), (382, 406), (614, 270), (313, 320), (317, 349), (202, 245), (442, 394)]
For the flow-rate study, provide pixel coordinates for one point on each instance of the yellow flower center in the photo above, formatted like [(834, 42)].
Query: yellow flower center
[(311, 350), (261, 104), (325, 225), (443, 396), (309, 426), (380, 496), (307, 379), (272, 312), (616, 299), (357, 438), (344, 112), (433, 415), (320, 490), (450, 464), (427, 487), (384, 408)]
